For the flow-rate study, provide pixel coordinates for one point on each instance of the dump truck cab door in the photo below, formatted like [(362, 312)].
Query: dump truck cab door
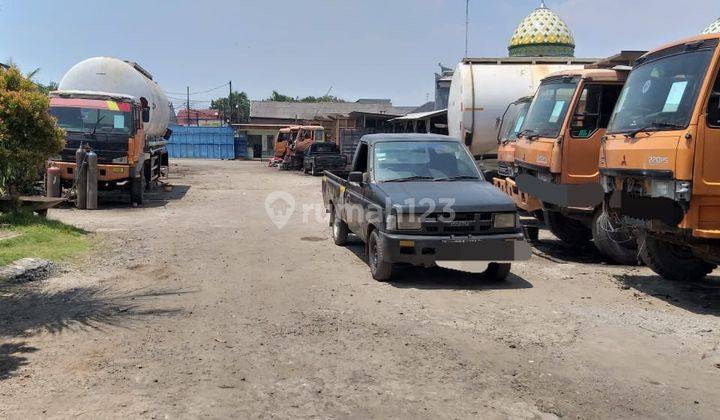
[(588, 122), (707, 169)]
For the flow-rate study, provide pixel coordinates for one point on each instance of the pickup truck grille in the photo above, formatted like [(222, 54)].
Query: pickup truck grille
[(460, 224)]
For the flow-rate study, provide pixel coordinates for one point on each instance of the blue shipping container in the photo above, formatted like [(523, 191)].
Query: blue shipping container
[(202, 142)]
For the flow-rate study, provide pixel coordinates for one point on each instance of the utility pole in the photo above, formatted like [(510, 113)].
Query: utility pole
[(187, 120), (467, 23), (230, 104)]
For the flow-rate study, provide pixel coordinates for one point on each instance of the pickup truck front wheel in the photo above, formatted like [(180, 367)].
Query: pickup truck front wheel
[(380, 270), (497, 271), (340, 229)]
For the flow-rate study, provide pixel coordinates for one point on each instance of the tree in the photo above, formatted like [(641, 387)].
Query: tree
[(324, 98), (51, 86), (240, 104), (29, 135), (278, 97)]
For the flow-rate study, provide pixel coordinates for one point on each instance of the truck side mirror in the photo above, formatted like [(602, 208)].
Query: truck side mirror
[(355, 178), (146, 115)]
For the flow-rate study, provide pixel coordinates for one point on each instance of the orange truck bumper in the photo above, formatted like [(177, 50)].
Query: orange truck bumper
[(106, 173), (522, 200)]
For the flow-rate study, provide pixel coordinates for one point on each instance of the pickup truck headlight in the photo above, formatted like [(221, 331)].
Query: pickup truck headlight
[(409, 222), (504, 220), (391, 222), (120, 160), (403, 222)]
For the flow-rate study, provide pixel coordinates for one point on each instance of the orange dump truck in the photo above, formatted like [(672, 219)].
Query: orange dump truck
[(557, 154), (281, 142), (512, 122), (659, 159), (301, 139)]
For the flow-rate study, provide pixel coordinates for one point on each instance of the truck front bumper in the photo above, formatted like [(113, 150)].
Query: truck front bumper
[(106, 173), (522, 200), (564, 195), (427, 250)]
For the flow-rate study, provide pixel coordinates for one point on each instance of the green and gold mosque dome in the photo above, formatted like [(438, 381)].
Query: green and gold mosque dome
[(713, 28), (542, 34)]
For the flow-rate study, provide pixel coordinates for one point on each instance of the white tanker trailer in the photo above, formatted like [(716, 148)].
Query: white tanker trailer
[(482, 89), (118, 111)]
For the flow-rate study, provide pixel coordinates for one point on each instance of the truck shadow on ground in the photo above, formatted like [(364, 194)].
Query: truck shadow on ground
[(113, 200), (559, 252), (28, 310), (437, 278), (701, 297)]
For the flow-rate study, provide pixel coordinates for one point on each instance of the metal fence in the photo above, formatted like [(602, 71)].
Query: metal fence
[(202, 142)]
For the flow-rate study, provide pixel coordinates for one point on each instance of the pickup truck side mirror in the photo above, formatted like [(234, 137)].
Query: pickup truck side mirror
[(355, 178), (146, 115)]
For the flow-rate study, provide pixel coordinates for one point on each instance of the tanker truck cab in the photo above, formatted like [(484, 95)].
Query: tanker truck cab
[(109, 124), (557, 155), (659, 160), (115, 108), (512, 122)]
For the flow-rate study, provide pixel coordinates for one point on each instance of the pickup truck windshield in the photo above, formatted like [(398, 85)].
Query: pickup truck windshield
[(423, 160), (85, 120), (547, 111), (661, 94), (513, 120)]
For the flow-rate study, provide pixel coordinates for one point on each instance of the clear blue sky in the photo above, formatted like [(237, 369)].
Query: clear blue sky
[(368, 48)]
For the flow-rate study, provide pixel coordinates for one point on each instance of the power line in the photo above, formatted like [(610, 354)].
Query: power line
[(198, 92)]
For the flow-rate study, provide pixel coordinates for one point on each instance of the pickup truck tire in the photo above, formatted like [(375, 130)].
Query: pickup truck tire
[(571, 231), (615, 243), (671, 261), (340, 230), (497, 271), (137, 189), (380, 270), (313, 172)]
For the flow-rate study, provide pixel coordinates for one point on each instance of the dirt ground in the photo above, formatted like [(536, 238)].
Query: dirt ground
[(197, 305)]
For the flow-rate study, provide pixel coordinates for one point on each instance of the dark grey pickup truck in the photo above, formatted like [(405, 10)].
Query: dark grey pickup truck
[(420, 199), (321, 157)]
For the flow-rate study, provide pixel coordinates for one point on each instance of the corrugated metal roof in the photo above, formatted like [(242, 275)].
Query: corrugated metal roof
[(309, 111)]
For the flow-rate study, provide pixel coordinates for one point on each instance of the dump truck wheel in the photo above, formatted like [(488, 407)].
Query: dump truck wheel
[(671, 261), (380, 270), (340, 229), (497, 271), (616, 243), (570, 231)]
